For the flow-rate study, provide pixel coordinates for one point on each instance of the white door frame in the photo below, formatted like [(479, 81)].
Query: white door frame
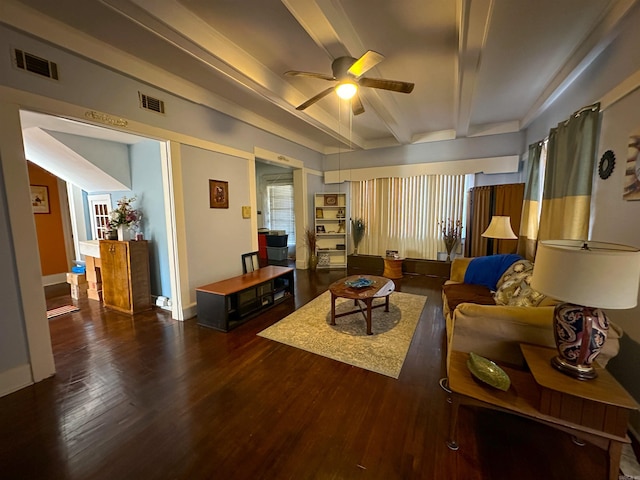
[(23, 231), (300, 198)]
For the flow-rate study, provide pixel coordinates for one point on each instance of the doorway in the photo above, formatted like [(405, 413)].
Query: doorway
[(100, 165), (275, 201)]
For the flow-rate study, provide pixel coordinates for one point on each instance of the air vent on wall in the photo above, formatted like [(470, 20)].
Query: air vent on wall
[(31, 63), (150, 103)]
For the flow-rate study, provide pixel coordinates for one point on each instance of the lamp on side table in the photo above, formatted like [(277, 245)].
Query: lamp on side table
[(586, 276)]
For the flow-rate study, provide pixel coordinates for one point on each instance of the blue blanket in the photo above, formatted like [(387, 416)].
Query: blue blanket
[(488, 270)]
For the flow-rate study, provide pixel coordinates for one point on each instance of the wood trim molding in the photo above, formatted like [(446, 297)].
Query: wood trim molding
[(507, 164)]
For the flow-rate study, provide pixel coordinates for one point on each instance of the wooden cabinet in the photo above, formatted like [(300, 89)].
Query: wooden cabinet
[(125, 275), (331, 229)]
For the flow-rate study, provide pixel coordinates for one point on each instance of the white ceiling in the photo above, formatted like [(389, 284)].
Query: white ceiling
[(479, 67)]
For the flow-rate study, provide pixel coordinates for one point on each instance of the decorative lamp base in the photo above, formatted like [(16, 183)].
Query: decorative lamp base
[(581, 372), (580, 333)]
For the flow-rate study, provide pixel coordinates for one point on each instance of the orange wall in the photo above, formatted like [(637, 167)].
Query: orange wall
[(53, 258)]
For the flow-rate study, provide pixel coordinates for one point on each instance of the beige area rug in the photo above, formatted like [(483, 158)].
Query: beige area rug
[(383, 352)]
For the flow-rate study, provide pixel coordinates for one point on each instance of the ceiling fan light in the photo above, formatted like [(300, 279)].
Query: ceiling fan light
[(346, 90)]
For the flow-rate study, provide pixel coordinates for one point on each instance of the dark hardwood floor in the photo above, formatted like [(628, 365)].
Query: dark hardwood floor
[(147, 397)]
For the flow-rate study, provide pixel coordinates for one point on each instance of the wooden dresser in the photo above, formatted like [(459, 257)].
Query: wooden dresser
[(125, 275)]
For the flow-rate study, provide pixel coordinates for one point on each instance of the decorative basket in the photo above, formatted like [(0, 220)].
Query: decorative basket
[(324, 260)]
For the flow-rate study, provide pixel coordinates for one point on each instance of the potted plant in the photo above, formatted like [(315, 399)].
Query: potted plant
[(311, 243), (357, 230)]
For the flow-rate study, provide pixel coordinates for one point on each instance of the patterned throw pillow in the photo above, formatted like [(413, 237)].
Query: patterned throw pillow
[(514, 287)]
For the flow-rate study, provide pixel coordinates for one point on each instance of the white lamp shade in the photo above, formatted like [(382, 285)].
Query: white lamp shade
[(500, 227), (602, 275)]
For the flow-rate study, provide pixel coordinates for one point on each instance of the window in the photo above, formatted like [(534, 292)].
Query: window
[(99, 208), (279, 213), (404, 213)]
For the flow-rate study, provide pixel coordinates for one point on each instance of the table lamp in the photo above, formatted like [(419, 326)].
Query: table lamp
[(585, 276), (500, 228)]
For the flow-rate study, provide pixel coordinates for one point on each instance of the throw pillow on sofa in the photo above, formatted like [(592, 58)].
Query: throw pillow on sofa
[(514, 288)]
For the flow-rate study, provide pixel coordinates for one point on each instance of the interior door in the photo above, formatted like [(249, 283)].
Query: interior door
[(99, 206)]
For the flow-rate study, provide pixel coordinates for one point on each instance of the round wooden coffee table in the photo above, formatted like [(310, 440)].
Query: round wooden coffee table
[(381, 288)]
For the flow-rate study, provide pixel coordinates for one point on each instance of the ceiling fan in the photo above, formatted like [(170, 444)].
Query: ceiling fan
[(348, 71)]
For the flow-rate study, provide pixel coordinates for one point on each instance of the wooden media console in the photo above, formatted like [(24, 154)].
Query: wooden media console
[(226, 304)]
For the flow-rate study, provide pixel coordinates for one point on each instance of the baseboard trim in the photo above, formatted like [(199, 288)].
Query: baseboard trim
[(15, 379), (190, 311)]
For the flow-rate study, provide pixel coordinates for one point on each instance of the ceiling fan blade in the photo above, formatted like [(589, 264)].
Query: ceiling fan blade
[(393, 85), (366, 62), (313, 100), (296, 73), (356, 105)]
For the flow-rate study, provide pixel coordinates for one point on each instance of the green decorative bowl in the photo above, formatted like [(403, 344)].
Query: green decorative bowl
[(488, 372)]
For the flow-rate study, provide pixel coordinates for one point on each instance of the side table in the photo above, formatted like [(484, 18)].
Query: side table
[(596, 411), (392, 267)]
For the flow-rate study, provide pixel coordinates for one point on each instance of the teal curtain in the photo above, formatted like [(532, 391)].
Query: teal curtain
[(566, 201), (530, 221)]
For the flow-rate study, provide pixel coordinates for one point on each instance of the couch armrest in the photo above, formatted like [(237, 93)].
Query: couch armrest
[(495, 332), (458, 268)]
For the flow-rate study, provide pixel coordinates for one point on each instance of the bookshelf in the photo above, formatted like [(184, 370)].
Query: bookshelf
[(331, 229)]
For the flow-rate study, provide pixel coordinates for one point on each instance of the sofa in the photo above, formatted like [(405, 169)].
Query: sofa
[(492, 322)]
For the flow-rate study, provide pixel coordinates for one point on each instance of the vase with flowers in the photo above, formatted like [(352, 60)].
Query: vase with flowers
[(451, 233), (124, 217)]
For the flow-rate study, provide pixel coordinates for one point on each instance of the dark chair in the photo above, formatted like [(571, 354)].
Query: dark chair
[(250, 262)]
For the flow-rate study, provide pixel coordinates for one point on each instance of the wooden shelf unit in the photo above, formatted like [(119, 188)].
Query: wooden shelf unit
[(226, 304), (331, 216)]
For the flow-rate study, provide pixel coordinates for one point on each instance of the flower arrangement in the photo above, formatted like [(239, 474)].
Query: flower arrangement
[(358, 228), (124, 214), (451, 233)]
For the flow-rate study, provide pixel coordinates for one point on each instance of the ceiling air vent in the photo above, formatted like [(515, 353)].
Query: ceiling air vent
[(37, 65), (150, 103)]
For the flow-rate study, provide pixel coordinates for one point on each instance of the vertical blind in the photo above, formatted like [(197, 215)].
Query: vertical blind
[(405, 214)]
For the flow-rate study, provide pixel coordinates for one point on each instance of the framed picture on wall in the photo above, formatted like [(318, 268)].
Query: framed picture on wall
[(40, 199), (218, 194)]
